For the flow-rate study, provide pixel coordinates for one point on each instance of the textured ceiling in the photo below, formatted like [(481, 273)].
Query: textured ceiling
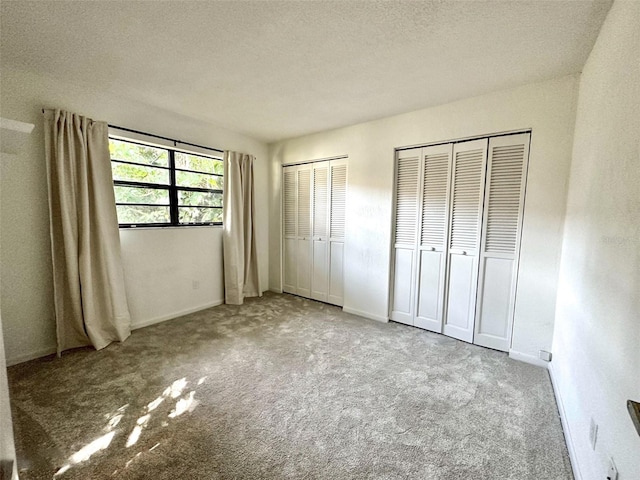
[(274, 70)]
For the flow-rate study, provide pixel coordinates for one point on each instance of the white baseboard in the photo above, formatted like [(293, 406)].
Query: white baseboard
[(275, 290), (565, 426), (134, 326), (526, 358), (533, 360), (152, 321), (43, 352), (368, 315)]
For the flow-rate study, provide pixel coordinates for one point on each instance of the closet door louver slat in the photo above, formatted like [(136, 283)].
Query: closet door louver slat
[(320, 200), (503, 207), (304, 203), (338, 200), (434, 199), (465, 218), (290, 203), (508, 157), (408, 173), (290, 242)]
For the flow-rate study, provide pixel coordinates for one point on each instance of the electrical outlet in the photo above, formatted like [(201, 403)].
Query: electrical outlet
[(544, 355), (195, 284), (612, 473), (593, 434)]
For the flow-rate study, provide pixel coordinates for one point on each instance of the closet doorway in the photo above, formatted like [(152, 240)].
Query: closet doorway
[(314, 207), (458, 210)]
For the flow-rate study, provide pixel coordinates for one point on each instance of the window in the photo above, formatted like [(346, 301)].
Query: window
[(159, 186)]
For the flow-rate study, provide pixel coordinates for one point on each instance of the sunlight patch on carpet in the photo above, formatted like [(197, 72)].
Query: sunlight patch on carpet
[(87, 451)]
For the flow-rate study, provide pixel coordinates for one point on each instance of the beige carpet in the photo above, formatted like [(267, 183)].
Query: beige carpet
[(284, 387)]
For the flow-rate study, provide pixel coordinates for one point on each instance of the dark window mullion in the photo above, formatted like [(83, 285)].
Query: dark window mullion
[(199, 172), (120, 204), (115, 160), (198, 189), (133, 225), (200, 206), (173, 191), (132, 184)]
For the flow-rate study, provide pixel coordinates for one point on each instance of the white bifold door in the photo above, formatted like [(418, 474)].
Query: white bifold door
[(297, 230), (405, 235), (314, 201), (465, 211), (458, 216), (337, 214), (500, 246), (320, 263), (421, 208)]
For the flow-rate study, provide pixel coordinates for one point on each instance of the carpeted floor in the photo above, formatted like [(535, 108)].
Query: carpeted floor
[(284, 387)]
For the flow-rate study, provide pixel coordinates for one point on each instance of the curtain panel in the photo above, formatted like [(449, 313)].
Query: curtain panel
[(89, 294), (241, 276)]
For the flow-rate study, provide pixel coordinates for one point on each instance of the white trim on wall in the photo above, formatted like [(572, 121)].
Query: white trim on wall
[(466, 139), (43, 352), (316, 160), (526, 358), (370, 316), (134, 326), (163, 318), (565, 426), (523, 357)]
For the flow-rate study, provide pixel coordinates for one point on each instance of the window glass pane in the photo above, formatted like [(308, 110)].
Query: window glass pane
[(143, 214), (137, 164), (139, 173), (210, 199), (198, 163), (199, 180), (141, 195), (132, 152), (199, 215)]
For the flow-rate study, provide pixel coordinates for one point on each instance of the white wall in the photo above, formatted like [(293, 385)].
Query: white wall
[(160, 264), (596, 345), (7, 445), (548, 108)]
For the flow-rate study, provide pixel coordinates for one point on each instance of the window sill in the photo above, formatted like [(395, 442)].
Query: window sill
[(167, 227)]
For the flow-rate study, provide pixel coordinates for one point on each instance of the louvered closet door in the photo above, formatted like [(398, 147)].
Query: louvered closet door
[(304, 242), (290, 213), (505, 186), (433, 229), (407, 201), (320, 271), (338, 203), (468, 174)]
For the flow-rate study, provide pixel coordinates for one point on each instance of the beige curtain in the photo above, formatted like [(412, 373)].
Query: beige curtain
[(241, 278), (89, 295)]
